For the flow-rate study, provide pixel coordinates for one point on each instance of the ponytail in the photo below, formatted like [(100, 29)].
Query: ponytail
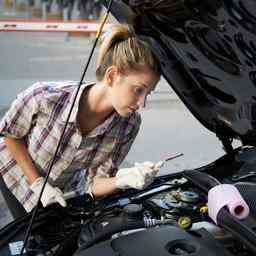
[(123, 49)]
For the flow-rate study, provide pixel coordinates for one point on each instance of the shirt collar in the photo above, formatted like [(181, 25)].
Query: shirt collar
[(72, 118), (105, 126), (102, 128)]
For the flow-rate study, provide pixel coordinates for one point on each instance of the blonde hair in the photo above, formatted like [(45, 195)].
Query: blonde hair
[(123, 49)]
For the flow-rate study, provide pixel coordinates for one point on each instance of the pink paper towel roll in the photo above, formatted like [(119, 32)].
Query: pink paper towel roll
[(226, 195)]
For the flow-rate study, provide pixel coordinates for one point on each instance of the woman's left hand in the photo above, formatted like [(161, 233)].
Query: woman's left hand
[(50, 194)]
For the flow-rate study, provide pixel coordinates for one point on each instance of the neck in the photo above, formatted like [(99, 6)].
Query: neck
[(96, 103)]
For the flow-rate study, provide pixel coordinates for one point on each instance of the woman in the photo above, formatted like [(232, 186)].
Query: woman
[(102, 127)]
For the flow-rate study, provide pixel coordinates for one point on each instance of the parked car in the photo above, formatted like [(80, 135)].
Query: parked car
[(207, 51)]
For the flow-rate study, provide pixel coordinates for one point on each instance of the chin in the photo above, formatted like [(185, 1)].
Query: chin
[(125, 112)]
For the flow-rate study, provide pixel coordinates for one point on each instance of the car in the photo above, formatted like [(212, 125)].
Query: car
[(207, 51)]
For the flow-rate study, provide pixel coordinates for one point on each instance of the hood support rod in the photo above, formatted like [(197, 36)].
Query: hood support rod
[(35, 210)]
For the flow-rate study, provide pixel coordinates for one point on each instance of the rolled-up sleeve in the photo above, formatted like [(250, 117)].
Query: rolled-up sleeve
[(17, 120)]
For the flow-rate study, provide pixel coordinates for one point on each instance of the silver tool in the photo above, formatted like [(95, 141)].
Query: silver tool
[(160, 164)]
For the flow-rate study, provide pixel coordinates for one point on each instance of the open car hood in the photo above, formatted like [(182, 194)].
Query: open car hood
[(207, 51)]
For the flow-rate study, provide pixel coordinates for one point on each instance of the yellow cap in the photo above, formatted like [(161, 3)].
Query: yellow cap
[(184, 222), (204, 209)]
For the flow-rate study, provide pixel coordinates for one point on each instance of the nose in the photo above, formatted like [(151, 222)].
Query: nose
[(142, 101)]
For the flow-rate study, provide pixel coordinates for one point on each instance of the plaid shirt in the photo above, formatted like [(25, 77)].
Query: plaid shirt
[(38, 115)]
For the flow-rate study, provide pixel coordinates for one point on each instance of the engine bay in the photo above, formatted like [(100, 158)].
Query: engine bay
[(170, 217)]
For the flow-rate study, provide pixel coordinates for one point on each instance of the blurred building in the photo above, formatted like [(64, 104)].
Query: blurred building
[(57, 9)]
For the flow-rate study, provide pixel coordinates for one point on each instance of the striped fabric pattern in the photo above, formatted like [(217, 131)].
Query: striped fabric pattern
[(38, 115)]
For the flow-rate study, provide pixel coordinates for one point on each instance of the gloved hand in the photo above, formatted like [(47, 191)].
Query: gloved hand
[(50, 195), (154, 166), (137, 177)]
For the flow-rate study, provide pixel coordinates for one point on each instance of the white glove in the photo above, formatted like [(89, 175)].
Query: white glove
[(151, 165), (137, 177), (50, 195)]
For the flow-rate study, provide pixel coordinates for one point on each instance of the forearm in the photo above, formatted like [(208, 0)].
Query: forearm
[(104, 186), (19, 152)]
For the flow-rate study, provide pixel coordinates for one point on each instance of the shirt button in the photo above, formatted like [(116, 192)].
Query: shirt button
[(77, 139)]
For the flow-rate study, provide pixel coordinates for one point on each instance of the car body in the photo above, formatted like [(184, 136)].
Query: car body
[(207, 50)]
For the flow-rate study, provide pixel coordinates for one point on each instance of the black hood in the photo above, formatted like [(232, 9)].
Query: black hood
[(207, 51)]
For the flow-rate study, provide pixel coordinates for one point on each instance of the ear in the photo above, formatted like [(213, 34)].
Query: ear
[(111, 75)]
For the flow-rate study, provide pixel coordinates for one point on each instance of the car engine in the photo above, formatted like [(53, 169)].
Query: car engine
[(170, 217)]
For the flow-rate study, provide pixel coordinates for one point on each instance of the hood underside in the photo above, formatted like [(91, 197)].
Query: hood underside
[(207, 51)]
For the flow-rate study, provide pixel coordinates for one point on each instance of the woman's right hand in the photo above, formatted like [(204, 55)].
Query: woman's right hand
[(50, 195), (138, 177)]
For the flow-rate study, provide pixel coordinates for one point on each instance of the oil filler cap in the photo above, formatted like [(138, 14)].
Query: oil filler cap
[(184, 222)]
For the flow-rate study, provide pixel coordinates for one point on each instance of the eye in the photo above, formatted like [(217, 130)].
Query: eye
[(139, 91)]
